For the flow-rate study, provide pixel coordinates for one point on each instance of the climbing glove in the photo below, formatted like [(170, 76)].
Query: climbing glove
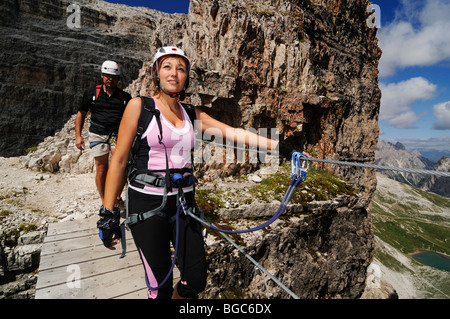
[(285, 150), (109, 225)]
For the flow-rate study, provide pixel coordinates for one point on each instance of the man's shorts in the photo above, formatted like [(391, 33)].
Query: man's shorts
[(101, 144)]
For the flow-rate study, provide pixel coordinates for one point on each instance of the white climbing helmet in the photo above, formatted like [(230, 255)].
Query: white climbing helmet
[(110, 67), (170, 51)]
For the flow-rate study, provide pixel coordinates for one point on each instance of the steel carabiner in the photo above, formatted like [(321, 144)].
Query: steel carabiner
[(299, 166)]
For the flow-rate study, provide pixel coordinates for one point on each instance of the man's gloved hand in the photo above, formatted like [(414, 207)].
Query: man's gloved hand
[(109, 226)]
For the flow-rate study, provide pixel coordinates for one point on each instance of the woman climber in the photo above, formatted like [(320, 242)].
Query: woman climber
[(152, 200)]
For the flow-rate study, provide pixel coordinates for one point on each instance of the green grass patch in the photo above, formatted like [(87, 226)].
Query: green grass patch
[(412, 221), (318, 185)]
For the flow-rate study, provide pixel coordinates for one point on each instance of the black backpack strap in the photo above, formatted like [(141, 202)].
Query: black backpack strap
[(94, 92), (190, 110), (147, 112)]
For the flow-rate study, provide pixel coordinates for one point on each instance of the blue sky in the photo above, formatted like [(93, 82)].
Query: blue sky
[(414, 68), (169, 6)]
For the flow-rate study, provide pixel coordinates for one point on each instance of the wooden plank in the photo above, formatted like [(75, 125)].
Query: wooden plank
[(75, 264), (66, 258), (77, 234), (104, 286), (124, 283), (140, 294), (60, 275), (70, 244), (71, 226)]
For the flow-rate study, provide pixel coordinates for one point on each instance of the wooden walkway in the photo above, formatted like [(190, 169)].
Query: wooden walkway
[(75, 265)]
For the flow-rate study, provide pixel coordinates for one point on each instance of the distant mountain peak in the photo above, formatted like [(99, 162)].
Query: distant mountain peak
[(399, 146), (397, 155)]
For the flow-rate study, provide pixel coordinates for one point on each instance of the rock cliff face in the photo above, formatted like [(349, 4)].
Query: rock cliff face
[(308, 68), (308, 253), (46, 63)]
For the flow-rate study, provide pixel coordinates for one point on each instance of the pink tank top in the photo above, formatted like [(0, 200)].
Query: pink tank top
[(179, 143)]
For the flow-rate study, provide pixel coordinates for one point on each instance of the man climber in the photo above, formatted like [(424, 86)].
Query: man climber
[(106, 102)]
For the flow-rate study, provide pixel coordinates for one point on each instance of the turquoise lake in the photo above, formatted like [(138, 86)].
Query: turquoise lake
[(433, 259)]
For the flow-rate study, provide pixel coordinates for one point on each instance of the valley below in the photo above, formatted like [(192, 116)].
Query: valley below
[(406, 221)]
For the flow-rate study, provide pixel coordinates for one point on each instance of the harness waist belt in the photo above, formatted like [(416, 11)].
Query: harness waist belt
[(137, 218), (159, 180)]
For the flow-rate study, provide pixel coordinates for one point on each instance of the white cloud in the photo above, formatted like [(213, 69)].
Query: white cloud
[(404, 45), (404, 120), (442, 113), (398, 98), (436, 143)]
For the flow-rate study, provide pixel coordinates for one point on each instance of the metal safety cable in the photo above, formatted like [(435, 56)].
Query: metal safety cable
[(259, 266), (296, 170), (299, 169), (381, 167), (356, 164)]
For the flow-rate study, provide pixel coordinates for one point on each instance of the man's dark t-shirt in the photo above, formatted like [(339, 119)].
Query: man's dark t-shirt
[(106, 111)]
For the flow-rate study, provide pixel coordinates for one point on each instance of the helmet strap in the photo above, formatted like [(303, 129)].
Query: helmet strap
[(172, 95)]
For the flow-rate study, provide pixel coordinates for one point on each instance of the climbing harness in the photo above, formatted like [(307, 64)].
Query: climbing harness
[(148, 177), (112, 138), (177, 180)]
